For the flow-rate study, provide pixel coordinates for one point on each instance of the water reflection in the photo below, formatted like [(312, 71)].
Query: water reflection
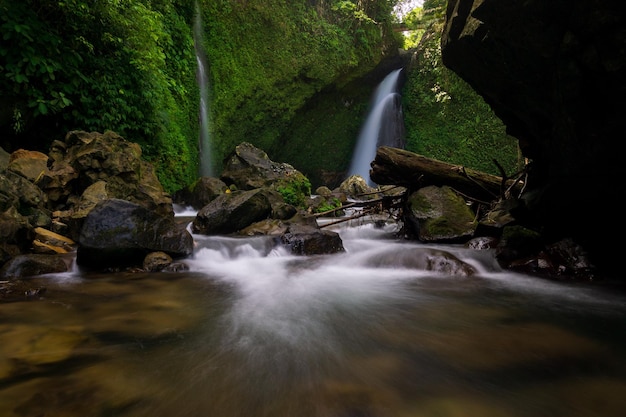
[(253, 331)]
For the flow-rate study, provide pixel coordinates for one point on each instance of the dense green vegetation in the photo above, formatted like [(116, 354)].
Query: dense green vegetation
[(129, 66), (284, 76), (126, 66), (444, 118), (269, 58)]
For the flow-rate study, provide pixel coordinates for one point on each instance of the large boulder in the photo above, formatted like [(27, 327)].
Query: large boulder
[(439, 214), (248, 168), (119, 233), (201, 192), (22, 209), (103, 160), (31, 165), (302, 239), (553, 71), (232, 212)]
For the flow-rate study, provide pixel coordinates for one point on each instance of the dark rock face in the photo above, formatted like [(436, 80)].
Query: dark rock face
[(249, 167), (121, 233), (310, 240), (201, 192), (229, 213), (554, 72)]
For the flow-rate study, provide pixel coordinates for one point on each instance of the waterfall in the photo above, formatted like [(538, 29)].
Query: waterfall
[(384, 126), (204, 140)]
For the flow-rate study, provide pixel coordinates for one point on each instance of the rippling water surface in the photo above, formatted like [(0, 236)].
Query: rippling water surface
[(252, 331)]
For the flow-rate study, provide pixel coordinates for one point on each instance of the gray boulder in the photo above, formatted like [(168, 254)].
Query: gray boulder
[(201, 192), (310, 240), (119, 233), (438, 214), (232, 212), (106, 161)]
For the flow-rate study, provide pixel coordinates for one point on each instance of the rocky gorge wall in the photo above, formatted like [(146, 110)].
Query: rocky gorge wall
[(554, 73)]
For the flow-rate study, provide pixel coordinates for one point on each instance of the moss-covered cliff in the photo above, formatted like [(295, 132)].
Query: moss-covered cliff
[(292, 78), (270, 59), (129, 66)]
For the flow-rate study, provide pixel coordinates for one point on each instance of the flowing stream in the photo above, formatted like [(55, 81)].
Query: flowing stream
[(253, 331)]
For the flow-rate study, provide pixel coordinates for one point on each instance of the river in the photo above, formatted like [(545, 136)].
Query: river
[(253, 331)]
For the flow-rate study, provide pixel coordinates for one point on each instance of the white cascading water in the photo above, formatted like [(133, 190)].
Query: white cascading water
[(250, 329), (204, 140), (382, 126)]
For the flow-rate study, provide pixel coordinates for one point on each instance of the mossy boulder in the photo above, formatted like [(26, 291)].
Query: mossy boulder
[(439, 214), (249, 167)]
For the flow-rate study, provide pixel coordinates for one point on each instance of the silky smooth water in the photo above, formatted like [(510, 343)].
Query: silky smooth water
[(384, 125), (253, 331), (202, 78)]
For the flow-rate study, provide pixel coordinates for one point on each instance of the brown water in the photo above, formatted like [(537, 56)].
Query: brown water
[(250, 331)]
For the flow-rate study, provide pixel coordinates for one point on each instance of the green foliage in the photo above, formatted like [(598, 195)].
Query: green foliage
[(124, 65), (295, 189), (281, 77), (414, 20), (327, 205), (446, 120), (268, 58)]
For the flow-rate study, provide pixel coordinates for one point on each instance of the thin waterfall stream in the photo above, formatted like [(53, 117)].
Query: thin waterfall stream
[(252, 330), (202, 78)]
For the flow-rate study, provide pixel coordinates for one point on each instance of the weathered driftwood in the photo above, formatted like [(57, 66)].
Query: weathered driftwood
[(393, 166)]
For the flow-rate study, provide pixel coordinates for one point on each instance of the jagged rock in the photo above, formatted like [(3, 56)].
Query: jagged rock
[(85, 169), (323, 191), (438, 214), (120, 233), (249, 167), (267, 227), (201, 192), (85, 159), (4, 159), (31, 165), (7, 250), (232, 212), (49, 242), (482, 243), (518, 242), (21, 210), (18, 191), (356, 187)]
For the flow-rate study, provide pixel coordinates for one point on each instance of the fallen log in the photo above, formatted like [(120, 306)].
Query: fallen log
[(393, 166)]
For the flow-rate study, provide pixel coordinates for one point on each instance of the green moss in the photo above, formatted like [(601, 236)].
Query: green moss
[(419, 202), (295, 189), (328, 205), (519, 235), (439, 227)]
